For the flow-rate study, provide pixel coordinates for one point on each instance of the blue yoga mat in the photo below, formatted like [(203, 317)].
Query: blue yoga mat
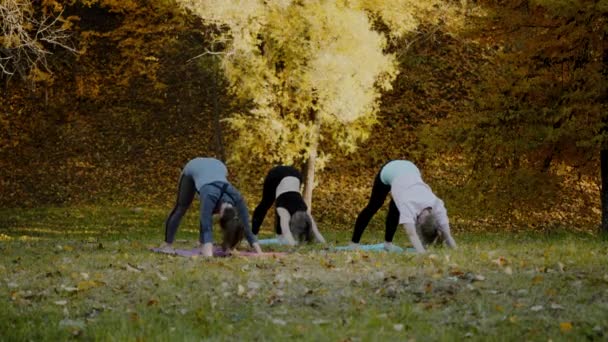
[(375, 247), (274, 241)]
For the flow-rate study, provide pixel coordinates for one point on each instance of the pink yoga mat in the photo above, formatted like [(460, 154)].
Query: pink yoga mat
[(217, 252)]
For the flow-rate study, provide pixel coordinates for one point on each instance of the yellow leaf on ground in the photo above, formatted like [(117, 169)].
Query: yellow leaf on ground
[(565, 327), (87, 284)]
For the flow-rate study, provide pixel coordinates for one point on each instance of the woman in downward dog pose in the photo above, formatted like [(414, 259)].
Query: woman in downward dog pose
[(207, 177), (293, 222), (413, 204)]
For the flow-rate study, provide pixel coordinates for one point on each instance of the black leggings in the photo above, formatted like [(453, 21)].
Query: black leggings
[(185, 194), (376, 200), (271, 182)]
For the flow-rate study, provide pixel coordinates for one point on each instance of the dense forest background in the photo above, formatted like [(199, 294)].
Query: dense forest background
[(504, 117)]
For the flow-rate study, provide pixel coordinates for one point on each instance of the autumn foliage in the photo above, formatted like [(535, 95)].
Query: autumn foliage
[(502, 106)]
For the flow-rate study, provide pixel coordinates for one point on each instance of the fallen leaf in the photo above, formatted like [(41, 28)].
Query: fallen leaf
[(278, 321), (132, 268), (398, 327), (555, 306), (537, 279), (565, 327), (61, 302), (69, 288), (240, 290), (456, 272), (320, 321), (87, 284), (252, 285), (536, 308), (501, 261), (71, 323), (508, 270), (551, 292)]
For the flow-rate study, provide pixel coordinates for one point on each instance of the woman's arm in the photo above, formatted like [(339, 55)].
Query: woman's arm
[(241, 207), (315, 230), (444, 229), (441, 217), (410, 230), (284, 222)]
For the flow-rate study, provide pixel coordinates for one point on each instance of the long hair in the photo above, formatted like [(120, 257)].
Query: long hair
[(300, 226), (233, 229), (426, 227)]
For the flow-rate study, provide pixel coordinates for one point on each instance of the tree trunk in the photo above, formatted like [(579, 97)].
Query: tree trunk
[(604, 147), (604, 191), (310, 166), (219, 139)]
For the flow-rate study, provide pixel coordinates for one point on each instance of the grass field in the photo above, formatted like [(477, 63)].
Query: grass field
[(86, 274)]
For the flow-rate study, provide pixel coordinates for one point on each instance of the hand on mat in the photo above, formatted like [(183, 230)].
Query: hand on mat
[(257, 247), (207, 249), (389, 247), (283, 240), (166, 248)]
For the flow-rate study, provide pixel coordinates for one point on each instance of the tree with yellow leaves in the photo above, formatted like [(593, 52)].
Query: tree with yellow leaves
[(310, 71), (26, 34)]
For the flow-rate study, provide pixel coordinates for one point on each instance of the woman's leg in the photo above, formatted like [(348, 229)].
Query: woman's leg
[(392, 221), (185, 194), (268, 194), (376, 200), (277, 223)]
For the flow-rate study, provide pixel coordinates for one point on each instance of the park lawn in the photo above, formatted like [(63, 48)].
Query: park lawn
[(86, 274)]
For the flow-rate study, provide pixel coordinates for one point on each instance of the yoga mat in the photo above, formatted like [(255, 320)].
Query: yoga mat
[(217, 252), (274, 241), (375, 247)]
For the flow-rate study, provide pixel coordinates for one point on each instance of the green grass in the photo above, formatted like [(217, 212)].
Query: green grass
[(85, 274)]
